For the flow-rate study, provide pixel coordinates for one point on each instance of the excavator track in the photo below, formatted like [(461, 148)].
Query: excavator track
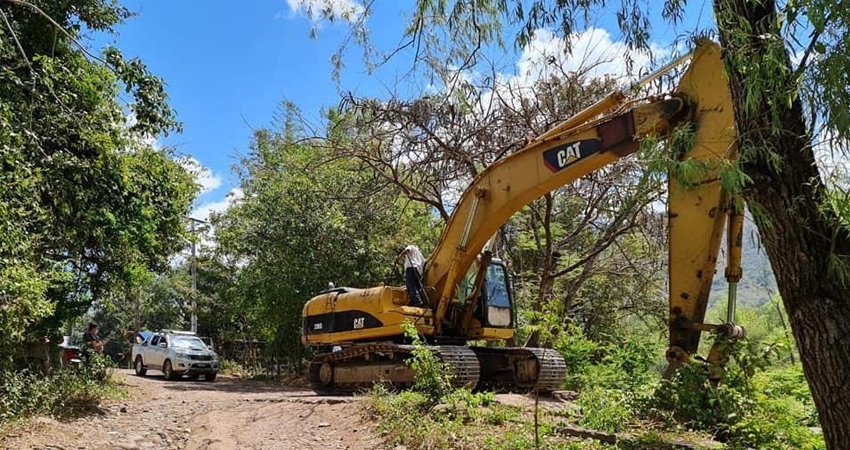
[(464, 363), (520, 369), (516, 369), (553, 368), (359, 367)]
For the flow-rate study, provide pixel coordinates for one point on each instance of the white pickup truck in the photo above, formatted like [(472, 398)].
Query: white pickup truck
[(175, 353)]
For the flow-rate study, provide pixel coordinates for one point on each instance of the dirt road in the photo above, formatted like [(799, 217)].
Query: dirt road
[(195, 415)]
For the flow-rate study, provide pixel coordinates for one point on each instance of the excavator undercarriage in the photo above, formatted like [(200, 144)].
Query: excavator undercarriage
[(361, 366)]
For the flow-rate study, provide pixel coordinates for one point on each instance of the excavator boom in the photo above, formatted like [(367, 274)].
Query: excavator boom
[(698, 208), (509, 184), (579, 146)]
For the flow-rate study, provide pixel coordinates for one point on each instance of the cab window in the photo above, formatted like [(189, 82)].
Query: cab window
[(497, 287), (466, 284)]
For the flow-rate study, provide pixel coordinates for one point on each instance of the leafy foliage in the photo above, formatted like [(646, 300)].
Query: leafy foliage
[(747, 409), (433, 377), (82, 198), (64, 392), (464, 420), (303, 221)]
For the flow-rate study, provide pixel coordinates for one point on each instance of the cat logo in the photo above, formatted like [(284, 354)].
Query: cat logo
[(569, 154), (359, 322), (562, 156)]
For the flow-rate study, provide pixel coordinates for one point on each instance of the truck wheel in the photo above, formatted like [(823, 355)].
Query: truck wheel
[(140, 367), (168, 371), (210, 376)]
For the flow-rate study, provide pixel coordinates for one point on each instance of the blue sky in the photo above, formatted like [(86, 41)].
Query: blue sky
[(228, 64)]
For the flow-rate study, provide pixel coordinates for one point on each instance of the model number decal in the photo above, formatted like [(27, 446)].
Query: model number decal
[(317, 326), (359, 322), (562, 156)]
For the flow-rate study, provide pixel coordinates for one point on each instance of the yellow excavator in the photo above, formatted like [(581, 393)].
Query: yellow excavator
[(358, 333)]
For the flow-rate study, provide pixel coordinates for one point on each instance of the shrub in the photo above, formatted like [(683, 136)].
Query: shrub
[(624, 363), (408, 419), (419, 419), (773, 425), (605, 409), (755, 406), (578, 352), (691, 400), (433, 377), (231, 367), (465, 405), (63, 392)]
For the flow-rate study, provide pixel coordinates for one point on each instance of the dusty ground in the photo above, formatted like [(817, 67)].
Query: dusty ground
[(229, 413), (195, 415)]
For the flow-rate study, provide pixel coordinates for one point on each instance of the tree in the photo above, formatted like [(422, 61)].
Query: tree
[(786, 111), (83, 195), (147, 301), (304, 220), (808, 245)]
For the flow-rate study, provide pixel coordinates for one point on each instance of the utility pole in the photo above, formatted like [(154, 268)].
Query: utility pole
[(194, 272)]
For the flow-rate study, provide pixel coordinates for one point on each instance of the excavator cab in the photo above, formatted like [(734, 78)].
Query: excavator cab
[(494, 302), (497, 297)]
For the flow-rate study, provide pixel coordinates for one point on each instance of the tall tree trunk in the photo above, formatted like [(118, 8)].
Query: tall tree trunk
[(799, 232)]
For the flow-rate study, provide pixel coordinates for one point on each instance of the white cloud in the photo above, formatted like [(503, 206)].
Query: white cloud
[(203, 175), (203, 211), (316, 10), (593, 53)]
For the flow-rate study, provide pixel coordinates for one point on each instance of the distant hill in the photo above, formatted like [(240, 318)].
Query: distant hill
[(757, 285)]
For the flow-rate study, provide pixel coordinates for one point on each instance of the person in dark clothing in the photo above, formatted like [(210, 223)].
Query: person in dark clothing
[(91, 342), (413, 265)]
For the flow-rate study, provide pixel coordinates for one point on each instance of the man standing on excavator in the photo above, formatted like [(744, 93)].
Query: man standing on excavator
[(413, 265)]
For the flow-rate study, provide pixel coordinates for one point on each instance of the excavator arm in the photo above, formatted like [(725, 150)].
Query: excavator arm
[(512, 182), (697, 212)]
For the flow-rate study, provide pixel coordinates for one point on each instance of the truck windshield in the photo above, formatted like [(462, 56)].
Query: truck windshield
[(192, 343), (497, 287)]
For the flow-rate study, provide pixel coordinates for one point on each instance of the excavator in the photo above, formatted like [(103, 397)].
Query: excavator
[(358, 334)]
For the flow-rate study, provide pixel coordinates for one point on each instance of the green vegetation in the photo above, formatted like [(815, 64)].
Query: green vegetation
[(88, 207), (763, 401), (303, 221), (65, 392), (435, 415), (786, 65), (463, 420), (433, 377)]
